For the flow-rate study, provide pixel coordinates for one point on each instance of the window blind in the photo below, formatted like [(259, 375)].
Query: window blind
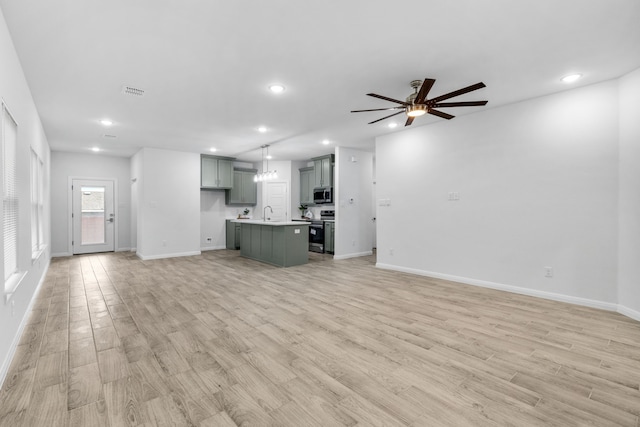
[(10, 196)]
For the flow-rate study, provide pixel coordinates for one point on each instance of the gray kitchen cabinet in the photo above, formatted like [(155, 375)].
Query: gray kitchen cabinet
[(307, 184), (323, 171), (329, 237), (233, 235), (244, 190), (216, 172)]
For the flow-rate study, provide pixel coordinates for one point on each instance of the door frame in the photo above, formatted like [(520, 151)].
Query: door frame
[(70, 210)]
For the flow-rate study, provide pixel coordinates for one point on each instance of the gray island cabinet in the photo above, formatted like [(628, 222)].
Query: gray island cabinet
[(282, 243)]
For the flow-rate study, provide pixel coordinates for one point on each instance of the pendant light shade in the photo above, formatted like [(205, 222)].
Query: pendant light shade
[(266, 173)]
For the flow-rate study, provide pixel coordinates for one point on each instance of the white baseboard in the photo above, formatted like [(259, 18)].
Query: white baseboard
[(509, 288), (162, 256), (626, 311), (6, 364), (212, 248), (61, 254), (353, 255)]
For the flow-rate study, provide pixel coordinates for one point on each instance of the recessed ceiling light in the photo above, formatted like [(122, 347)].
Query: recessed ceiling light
[(95, 149), (392, 125), (262, 129), (106, 122), (571, 78), (268, 157), (276, 88), (213, 150), (326, 142)]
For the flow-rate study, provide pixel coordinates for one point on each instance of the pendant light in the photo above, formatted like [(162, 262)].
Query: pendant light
[(266, 173)]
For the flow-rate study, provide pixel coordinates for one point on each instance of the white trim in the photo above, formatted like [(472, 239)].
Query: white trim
[(212, 248), (162, 256), (12, 284), (61, 254), (353, 255), (625, 311), (123, 250), (6, 364), (509, 288)]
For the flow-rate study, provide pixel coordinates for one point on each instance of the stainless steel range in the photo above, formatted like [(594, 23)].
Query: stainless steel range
[(316, 230)]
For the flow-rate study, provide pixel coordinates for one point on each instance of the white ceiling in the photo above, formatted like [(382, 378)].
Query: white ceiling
[(205, 65)]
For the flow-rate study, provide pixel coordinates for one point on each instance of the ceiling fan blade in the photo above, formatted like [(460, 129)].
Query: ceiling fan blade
[(394, 114), (388, 99), (460, 104), (441, 114), (409, 121), (378, 109), (424, 90), (457, 92)]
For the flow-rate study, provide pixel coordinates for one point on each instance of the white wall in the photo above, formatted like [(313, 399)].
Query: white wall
[(353, 203), (168, 205), (538, 186), (14, 308), (629, 200), (88, 166)]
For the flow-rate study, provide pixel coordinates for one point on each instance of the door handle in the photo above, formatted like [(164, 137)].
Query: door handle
[(111, 218)]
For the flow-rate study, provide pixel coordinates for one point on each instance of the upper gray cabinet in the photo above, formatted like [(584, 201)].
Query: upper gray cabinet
[(307, 183), (216, 172), (323, 168), (245, 189)]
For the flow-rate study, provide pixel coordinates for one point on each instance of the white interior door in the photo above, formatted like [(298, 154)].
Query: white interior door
[(278, 199), (93, 216)]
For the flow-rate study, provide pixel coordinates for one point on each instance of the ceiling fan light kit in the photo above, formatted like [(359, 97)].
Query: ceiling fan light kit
[(416, 110), (417, 104)]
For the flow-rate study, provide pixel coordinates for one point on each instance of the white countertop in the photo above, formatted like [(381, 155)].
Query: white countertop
[(272, 223)]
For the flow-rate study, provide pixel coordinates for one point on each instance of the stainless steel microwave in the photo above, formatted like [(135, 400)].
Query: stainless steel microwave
[(322, 195)]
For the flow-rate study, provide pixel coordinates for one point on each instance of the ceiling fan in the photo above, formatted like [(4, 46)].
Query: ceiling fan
[(417, 103)]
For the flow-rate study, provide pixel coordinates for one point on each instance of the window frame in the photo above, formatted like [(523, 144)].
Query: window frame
[(37, 204)]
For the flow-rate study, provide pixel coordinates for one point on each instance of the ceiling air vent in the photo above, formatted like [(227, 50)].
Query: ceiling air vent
[(130, 90), (108, 136)]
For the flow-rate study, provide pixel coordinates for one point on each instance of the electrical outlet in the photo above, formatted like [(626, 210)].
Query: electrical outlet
[(548, 272), (164, 243), (391, 251)]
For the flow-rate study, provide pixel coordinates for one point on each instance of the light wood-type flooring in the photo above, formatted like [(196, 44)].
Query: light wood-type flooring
[(218, 340)]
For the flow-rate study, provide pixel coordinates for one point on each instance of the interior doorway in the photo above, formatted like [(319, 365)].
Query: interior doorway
[(93, 216)]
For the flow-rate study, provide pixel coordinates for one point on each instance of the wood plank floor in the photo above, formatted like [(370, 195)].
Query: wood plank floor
[(218, 340)]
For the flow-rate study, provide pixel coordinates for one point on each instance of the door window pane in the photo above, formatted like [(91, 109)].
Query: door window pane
[(93, 219)]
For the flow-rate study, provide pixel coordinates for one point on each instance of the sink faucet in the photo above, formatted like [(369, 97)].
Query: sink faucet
[(264, 212)]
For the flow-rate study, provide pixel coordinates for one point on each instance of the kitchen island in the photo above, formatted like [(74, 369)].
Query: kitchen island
[(280, 243)]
